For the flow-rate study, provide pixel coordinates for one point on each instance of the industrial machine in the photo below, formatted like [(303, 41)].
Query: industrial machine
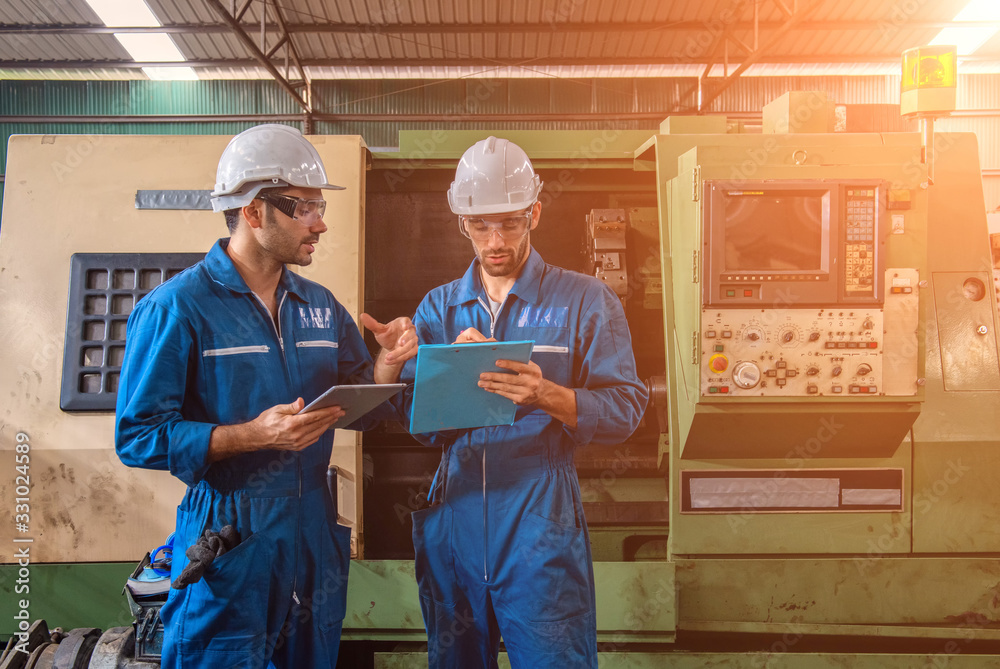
[(814, 484)]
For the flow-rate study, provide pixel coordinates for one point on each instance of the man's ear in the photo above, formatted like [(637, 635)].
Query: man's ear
[(536, 213), (253, 213)]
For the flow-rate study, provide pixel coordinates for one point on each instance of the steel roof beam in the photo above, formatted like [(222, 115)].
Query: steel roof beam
[(478, 62), (492, 28)]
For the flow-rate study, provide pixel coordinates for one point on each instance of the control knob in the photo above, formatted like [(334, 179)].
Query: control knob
[(864, 369), (812, 371), (746, 374), (837, 370), (868, 324)]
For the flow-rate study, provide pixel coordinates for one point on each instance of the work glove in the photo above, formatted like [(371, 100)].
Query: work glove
[(210, 546)]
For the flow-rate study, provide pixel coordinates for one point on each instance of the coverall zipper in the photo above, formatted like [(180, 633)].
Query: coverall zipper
[(274, 325), (298, 463), (493, 325)]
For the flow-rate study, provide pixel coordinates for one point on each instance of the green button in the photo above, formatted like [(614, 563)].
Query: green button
[(713, 389), (730, 293), (719, 348)]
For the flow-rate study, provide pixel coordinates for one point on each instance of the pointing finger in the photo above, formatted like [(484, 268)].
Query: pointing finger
[(372, 324)]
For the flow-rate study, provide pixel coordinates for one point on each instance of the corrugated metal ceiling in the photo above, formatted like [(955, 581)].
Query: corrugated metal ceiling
[(439, 38)]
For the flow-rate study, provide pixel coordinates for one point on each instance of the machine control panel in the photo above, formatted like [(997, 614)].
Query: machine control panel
[(792, 352), (859, 247)]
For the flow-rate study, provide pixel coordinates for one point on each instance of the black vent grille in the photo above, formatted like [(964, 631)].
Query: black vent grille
[(103, 290)]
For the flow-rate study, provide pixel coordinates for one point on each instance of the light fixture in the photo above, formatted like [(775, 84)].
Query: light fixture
[(970, 37), (143, 47)]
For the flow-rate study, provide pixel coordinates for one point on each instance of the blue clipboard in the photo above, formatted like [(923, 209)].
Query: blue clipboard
[(446, 394)]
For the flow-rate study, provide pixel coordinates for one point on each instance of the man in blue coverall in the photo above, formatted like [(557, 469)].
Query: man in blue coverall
[(503, 550), (218, 362)]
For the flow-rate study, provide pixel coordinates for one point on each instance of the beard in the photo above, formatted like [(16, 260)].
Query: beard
[(282, 244), (514, 258)]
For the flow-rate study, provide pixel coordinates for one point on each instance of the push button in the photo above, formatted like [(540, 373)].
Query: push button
[(718, 363)]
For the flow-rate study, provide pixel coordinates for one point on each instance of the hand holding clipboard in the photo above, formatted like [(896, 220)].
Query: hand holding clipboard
[(447, 394)]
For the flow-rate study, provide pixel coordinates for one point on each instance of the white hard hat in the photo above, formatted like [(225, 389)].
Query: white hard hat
[(494, 177), (266, 156)]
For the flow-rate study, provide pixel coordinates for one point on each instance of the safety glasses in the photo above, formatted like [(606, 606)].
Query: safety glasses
[(510, 228), (304, 211)]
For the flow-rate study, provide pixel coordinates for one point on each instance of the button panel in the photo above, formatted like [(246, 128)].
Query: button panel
[(859, 242), (799, 352)]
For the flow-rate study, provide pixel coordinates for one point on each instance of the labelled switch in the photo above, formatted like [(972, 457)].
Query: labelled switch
[(812, 371), (753, 336), (864, 369), (813, 336)]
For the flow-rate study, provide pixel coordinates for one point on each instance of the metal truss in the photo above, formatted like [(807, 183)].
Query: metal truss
[(754, 53), (263, 54)]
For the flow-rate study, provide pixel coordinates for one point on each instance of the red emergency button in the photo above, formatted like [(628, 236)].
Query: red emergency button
[(718, 363)]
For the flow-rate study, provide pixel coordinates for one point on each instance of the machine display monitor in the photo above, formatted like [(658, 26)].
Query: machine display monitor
[(775, 231), (803, 241)]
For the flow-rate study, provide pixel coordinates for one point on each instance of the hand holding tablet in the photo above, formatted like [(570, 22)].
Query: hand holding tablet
[(356, 401)]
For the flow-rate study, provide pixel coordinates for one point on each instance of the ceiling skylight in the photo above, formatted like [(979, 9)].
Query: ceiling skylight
[(143, 47), (971, 37)]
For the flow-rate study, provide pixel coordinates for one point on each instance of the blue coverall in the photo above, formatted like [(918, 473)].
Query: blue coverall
[(202, 350), (504, 548)]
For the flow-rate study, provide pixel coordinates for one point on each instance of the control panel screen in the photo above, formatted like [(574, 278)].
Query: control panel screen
[(775, 231)]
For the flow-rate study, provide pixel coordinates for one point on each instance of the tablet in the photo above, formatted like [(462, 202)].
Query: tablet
[(355, 400)]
